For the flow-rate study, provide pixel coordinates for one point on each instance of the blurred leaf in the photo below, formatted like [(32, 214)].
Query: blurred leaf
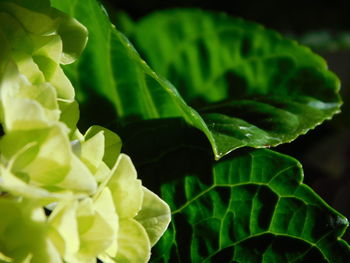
[(111, 68), (251, 86), (326, 41)]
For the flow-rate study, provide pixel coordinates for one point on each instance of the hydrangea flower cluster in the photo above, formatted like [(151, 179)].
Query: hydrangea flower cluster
[(64, 196)]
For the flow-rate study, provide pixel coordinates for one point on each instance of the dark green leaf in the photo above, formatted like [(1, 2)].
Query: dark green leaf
[(251, 206), (280, 89), (111, 71), (251, 86)]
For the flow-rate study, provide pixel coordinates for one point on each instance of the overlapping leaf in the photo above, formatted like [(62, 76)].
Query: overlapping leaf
[(251, 86), (251, 206), (111, 68), (273, 90)]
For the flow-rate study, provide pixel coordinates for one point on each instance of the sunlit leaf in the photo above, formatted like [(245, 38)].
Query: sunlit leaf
[(251, 206), (251, 86), (254, 208)]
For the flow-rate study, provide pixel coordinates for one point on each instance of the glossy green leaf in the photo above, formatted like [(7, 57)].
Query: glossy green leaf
[(254, 208), (111, 71), (251, 206), (251, 86)]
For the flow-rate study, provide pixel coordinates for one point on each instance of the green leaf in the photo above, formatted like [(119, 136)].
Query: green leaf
[(251, 206), (111, 71), (110, 67), (251, 86), (256, 209)]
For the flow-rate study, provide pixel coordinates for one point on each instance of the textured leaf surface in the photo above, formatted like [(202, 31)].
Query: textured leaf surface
[(251, 86), (111, 69), (251, 206)]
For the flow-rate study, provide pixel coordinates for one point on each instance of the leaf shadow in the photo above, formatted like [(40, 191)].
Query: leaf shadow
[(164, 150)]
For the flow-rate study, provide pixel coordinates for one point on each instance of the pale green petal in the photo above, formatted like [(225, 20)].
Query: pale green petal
[(20, 221), (77, 135), (33, 22), (53, 161), (55, 257), (25, 106), (105, 207), (85, 215), (47, 66), (98, 226), (46, 162), (62, 84), (45, 158), (154, 215), (42, 156), (74, 37), (126, 189), (49, 47), (22, 158), (112, 146), (28, 67), (25, 114), (49, 20), (14, 185), (15, 34), (64, 228), (43, 93), (11, 82), (4, 258), (79, 179), (102, 173), (15, 143), (134, 245), (40, 20), (92, 151), (69, 113)]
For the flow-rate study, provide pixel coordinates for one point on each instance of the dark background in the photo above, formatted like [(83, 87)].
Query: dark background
[(325, 151), (285, 16)]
